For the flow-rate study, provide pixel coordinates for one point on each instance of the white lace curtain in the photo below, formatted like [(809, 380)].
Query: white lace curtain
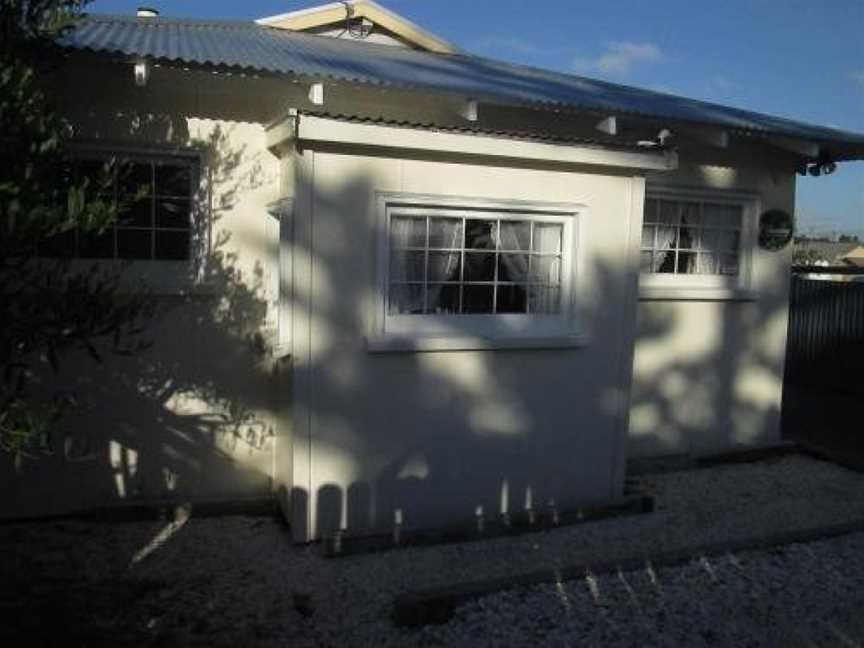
[(407, 265), (543, 270), (417, 288), (667, 231)]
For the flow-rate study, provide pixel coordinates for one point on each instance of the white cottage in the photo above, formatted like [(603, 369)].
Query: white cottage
[(409, 282)]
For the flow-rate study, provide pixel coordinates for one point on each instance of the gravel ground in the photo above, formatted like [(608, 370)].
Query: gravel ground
[(240, 581)]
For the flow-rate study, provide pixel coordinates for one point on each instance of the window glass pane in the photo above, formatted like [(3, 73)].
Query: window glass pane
[(172, 245), (545, 269), (722, 215), (407, 231), (407, 266), (479, 266), (687, 263), (405, 299), (477, 299), (136, 214), (645, 262), (444, 266), (134, 244), (547, 237), (511, 299), (445, 233), (689, 238), (173, 180), (544, 300), (648, 232), (515, 235), (727, 240), (513, 267), (709, 239), (668, 212), (137, 176), (92, 245), (480, 234), (650, 215), (172, 212), (728, 264), (706, 264), (664, 261), (443, 298), (690, 214)]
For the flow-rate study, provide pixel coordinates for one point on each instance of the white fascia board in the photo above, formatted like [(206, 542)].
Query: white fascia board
[(330, 131), (308, 11)]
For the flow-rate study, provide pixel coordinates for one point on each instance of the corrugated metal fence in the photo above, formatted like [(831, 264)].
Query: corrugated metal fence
[(825, 345)]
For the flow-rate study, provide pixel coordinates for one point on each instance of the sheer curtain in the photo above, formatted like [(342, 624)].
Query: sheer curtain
[(667, 229), (443, 266), (515, 236), (405, 298), (545, 296)]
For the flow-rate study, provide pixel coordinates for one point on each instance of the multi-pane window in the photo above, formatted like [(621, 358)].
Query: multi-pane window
[(155, 222), (691, 237), (474, 263)]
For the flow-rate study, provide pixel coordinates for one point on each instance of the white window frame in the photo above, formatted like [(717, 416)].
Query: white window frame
[(148, 156), (433, 332), (163, 276), (674, 286)]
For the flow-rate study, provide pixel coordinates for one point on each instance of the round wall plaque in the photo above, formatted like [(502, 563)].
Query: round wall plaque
[(776, 228)]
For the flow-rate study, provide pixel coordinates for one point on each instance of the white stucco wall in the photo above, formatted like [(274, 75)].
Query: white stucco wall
[(438, 434), (708, 375)]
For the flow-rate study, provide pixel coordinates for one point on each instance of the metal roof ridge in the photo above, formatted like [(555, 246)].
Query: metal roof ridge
[(157, 21)]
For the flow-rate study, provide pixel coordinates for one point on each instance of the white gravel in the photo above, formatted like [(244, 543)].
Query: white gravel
[(233, 580)]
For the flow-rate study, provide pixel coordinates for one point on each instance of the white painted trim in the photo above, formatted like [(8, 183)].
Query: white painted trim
[(647, 293), (165, 277), (627, 334), (316, 94), (312, 129), (335, 12), (486, 330), (608, 125), (469, 110), (395, 344), (303, 359)]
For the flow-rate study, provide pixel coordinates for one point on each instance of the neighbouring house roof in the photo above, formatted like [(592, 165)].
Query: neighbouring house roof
[(830, 251), (263, 49), (336, 13), (855, 257)]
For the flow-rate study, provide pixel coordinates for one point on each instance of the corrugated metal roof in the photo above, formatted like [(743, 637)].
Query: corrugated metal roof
[(471, 129), (250, 46)]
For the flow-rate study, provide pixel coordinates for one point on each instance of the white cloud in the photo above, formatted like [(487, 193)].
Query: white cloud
[(858, 77), (620, 57)]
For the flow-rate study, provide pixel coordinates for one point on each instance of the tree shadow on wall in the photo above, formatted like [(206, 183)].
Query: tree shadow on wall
[(195, 414)]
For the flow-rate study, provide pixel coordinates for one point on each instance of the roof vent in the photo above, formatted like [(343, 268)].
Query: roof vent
[(147, 12)]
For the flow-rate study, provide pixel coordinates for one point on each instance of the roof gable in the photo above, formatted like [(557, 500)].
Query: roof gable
[(336, 14)]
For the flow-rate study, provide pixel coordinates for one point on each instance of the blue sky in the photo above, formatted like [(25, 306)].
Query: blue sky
[(797, 58)]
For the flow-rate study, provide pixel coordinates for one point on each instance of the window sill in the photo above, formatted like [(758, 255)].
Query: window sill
[(653, 293), (419, 344)]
